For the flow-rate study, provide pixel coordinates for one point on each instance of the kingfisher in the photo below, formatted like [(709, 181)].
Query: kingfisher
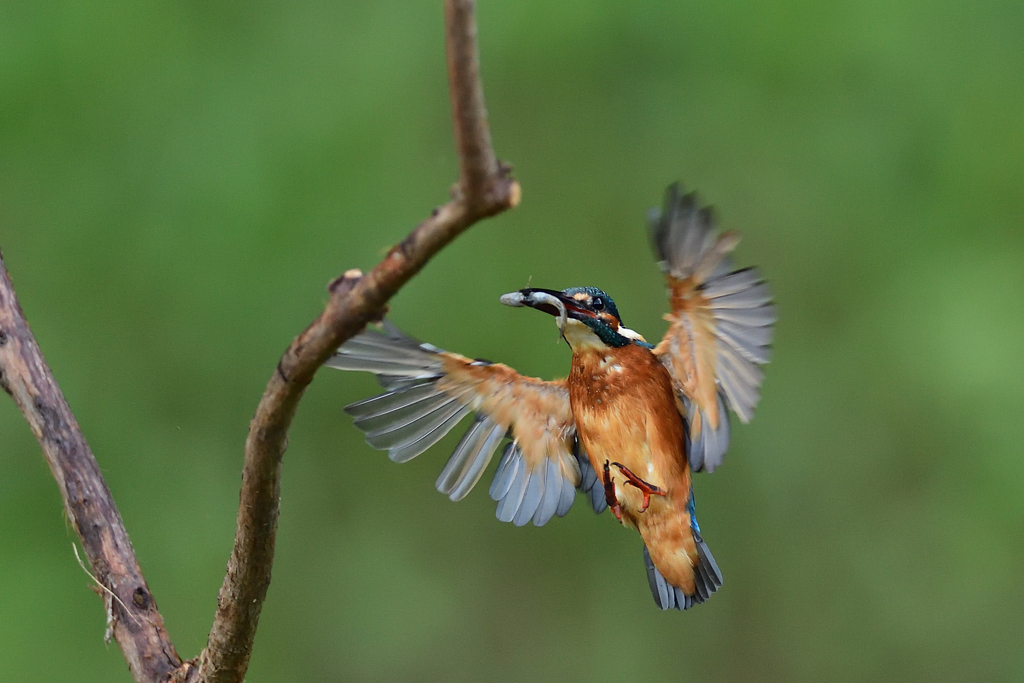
[(626, 428)]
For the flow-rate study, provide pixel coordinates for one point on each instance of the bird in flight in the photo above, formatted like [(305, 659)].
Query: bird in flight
[(629, 424)]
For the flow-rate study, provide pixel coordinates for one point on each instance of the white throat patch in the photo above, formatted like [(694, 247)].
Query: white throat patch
[(580, 336)]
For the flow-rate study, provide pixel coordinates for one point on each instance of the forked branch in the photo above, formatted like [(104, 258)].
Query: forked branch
[(485, 188)]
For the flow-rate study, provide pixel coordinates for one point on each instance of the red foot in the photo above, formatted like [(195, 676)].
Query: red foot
[(609, 493), (647, 489)]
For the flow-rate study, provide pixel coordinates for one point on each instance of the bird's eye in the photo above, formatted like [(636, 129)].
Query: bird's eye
[(597, 303)]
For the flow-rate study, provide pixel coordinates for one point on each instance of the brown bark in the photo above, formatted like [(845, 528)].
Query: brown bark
[(132, 616), (484, 189)]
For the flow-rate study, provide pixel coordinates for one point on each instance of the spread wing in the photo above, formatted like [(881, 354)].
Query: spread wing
[(429, 391), (721, 325)]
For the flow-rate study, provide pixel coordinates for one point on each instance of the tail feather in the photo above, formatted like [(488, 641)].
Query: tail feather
[(707, 580)]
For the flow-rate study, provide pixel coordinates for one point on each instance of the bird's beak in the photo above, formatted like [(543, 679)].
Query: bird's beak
[(547, 300)]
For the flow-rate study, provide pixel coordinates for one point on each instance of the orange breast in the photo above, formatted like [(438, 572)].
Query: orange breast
[(625, 411)]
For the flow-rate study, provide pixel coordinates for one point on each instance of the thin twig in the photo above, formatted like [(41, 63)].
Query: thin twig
[(106, 590), (485, 188), (87, 500)]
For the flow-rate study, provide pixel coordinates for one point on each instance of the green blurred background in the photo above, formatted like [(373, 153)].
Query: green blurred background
[(179, 181)]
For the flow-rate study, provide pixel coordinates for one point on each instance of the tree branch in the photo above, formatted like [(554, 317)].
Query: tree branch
[(485, 188), (132, 617), (478, 165)]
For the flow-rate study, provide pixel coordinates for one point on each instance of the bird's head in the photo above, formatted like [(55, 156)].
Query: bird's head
[(586, 315)]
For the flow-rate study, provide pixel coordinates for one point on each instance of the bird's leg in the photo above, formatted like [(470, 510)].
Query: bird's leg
[(647, 489), (609, 493)]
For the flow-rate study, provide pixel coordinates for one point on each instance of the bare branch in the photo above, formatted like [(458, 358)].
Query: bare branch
[(469, 114), (485, 188), (137, 625)]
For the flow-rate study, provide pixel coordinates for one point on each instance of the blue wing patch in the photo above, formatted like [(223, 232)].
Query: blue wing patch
[(591, 484)]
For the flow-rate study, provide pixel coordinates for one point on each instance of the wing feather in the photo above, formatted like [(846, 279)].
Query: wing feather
[(466, 465), (429, 391), (590, 482), (721, 324), (509, 504), (504, 475)]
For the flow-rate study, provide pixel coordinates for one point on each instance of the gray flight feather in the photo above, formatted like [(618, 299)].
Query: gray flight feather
[(756, 296), (509, 504), (591, 484), (531, 497), (412, 447), (415, 413), (566, 498), (707, 451), (378, 425), (470, 458), (749, 317), (706, 575), (687, 244), (505, 473), (552, 493), (415, 426), (733, 283), (387, 403)]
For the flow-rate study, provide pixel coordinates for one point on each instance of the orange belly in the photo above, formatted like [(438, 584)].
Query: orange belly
[(625, 411)]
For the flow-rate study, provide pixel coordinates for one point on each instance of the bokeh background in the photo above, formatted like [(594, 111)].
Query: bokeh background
[(180, 180)]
